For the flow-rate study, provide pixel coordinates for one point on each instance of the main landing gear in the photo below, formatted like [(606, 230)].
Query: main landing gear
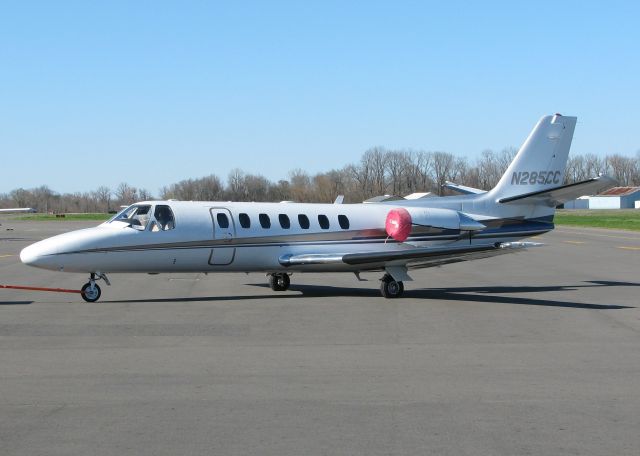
[(91, 291), (389, 288), (279, 281)]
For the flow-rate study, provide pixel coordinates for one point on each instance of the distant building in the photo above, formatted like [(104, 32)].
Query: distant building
[(615, 198), (579, 203)]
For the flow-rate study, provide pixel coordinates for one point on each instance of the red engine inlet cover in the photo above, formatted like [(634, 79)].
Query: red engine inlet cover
[(398, 224)]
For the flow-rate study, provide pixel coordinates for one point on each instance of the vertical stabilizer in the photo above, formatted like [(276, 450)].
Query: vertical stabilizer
[(540, 163)]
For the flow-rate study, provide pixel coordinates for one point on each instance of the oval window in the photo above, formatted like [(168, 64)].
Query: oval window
[(223, 221), (303, 220), (323, 221), (284, 221), (265, 221), (245, 221)]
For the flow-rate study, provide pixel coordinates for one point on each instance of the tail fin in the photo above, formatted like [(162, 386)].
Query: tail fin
[(540, 163)]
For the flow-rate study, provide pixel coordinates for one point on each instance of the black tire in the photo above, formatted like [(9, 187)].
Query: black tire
[(274, 282), (89, 296), (285, 282), (279, 282), (391, 289)]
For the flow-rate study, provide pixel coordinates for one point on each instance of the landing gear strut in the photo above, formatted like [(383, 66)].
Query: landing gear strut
[(279, 281), (90, 291), (389, 288)]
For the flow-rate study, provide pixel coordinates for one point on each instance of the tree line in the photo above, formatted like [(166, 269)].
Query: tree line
[(378, 172)]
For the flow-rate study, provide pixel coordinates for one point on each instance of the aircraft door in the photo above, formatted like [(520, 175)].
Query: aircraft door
[(224, 230)]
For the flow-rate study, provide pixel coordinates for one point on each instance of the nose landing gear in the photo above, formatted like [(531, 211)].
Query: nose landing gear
[(279, 281), (90, 291)]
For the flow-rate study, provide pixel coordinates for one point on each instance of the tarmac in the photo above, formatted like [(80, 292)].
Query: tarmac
[(532, 353)]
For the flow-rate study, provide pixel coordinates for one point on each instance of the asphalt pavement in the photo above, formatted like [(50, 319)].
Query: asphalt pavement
[(532, 353)]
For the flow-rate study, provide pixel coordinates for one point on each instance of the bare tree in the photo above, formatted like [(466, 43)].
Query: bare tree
[(378, 171), (376, 160), (623, 169), (21, 197), (257, 187), (126, 194), (280, 191), (235, 184), (594, 165), (399, 166), (103, 195), (423, 166), (575, 170), (443, 165), (300, 188), (145, 195)]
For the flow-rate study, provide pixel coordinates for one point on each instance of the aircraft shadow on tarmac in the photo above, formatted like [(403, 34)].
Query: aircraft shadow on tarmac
[(488, 294)]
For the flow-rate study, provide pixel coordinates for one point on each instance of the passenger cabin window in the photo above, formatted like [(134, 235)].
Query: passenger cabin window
[(136, 216), (323, 221), (343, 221), (245, 221), (265, 222), (164, 220), (223, 220), (303, 220), (284, 221)]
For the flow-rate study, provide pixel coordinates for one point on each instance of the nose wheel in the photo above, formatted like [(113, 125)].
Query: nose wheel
[(279, 281), (91, 291), (390, 288)]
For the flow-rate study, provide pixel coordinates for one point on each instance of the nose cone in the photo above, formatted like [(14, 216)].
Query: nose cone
[(64, 251), (41, 254), (32, 255), (29, 255)]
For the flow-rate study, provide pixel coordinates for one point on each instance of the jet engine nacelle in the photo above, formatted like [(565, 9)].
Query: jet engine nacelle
[(447, 219), (400, 221)]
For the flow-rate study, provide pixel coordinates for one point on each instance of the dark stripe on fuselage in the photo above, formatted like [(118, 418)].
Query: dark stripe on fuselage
[(500, 228)]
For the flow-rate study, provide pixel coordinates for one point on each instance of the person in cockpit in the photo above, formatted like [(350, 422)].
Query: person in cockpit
[(164, 218)]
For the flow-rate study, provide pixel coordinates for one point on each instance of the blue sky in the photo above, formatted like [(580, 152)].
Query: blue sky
[(152, 92)]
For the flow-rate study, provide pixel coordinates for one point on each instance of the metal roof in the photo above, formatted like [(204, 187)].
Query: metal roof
[(620, 191)]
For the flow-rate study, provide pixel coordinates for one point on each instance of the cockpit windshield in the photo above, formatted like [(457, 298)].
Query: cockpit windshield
[(136, 216)]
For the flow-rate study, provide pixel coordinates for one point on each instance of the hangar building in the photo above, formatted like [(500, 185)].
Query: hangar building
[(616, 198)]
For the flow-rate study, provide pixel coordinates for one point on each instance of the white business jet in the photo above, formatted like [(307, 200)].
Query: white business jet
[(17, 210), (282, 238)]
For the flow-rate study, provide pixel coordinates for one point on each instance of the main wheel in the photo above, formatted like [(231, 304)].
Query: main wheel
[(390, 289), (284, 281), (279, 282), (89, 294)]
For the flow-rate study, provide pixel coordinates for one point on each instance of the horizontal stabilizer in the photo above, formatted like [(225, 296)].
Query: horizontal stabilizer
[(558, 195), (425, 256)]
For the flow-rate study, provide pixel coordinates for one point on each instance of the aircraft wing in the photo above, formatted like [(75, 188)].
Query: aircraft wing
[(465, 190), (564, 193), (424, 257)]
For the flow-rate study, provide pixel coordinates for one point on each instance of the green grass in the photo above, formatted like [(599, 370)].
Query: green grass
[(72, 217), (623, 219)]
